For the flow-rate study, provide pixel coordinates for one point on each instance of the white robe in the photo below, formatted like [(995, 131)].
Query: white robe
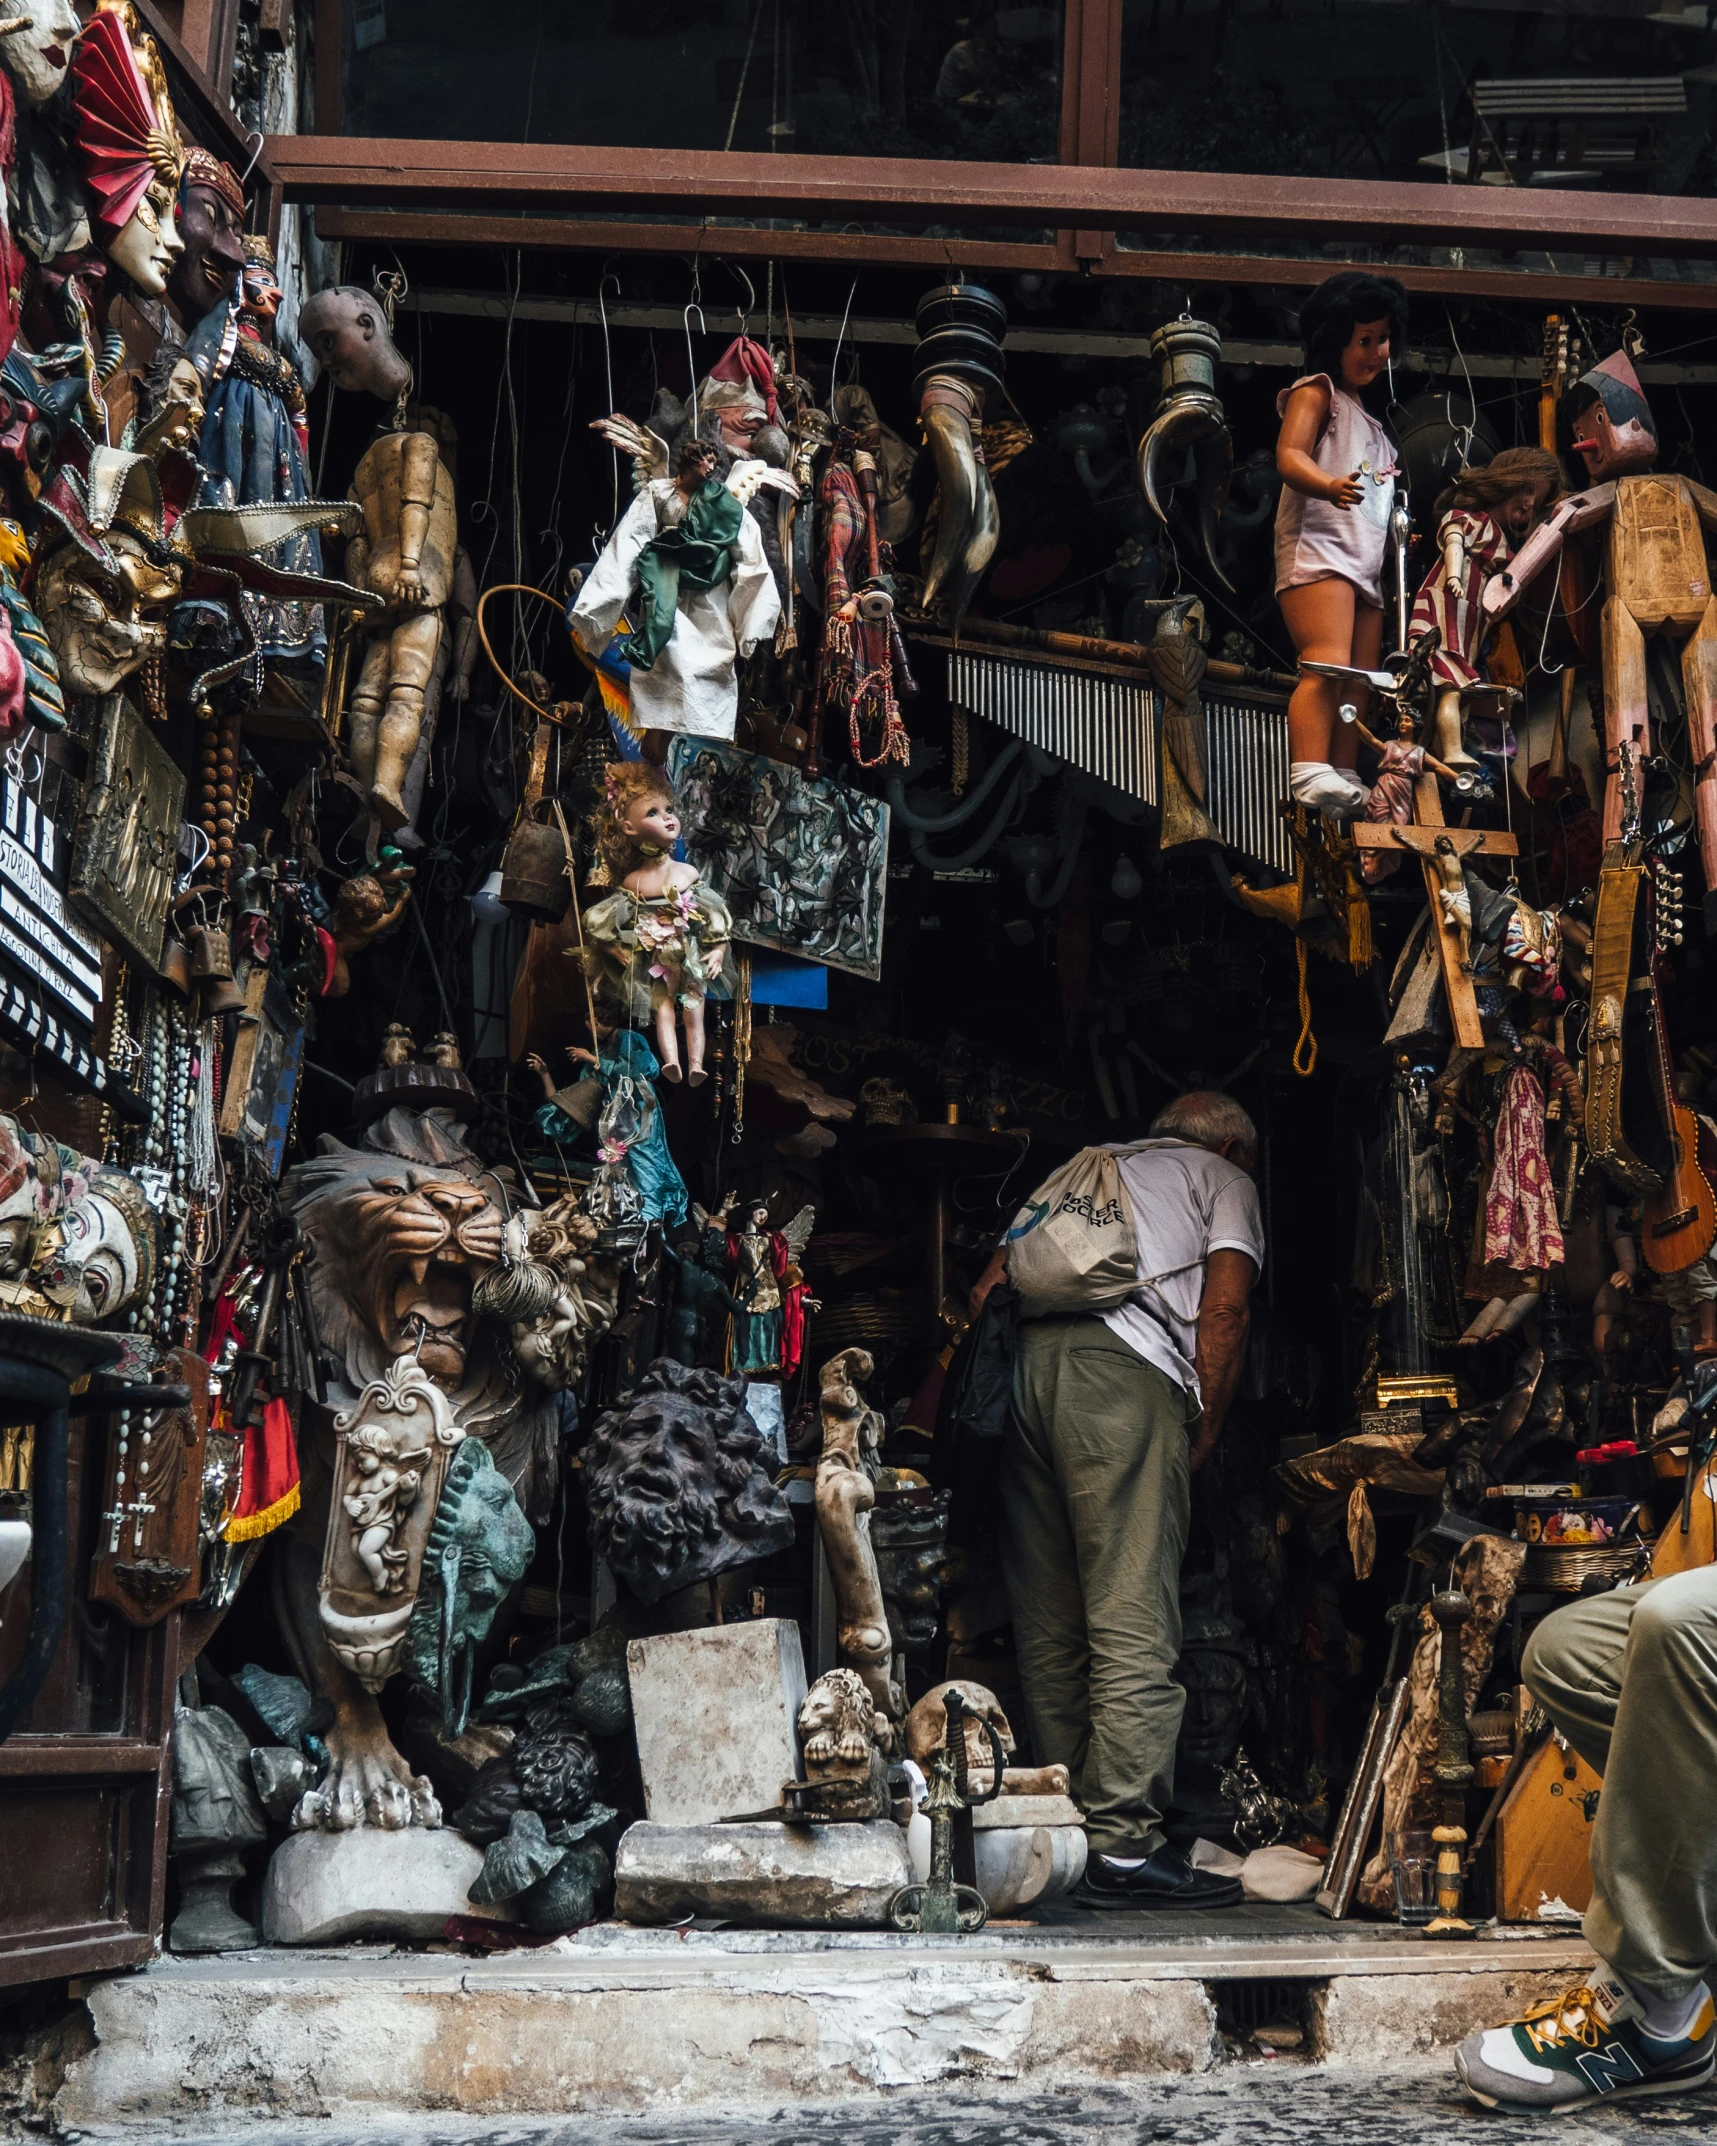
[(692, 686)]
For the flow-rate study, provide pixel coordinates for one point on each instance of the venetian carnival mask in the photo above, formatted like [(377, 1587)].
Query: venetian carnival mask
[(148, 244), (93, 612), (98, 1268), (38, 54), (209, 223)]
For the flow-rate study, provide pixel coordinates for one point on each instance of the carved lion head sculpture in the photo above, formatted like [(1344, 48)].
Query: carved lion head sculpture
[(677, 1482)]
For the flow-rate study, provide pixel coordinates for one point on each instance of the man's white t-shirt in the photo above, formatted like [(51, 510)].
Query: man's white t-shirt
[(1187, 1203)]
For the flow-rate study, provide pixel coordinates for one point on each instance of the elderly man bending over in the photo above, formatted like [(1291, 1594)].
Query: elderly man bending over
[(1111, 1414)]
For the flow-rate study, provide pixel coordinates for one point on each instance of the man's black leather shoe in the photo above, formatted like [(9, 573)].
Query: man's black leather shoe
[(1163, 1879)]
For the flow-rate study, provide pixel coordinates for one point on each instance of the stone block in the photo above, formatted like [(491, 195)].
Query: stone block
[(1019, 1864), (770, 1875), (714, 1712), (322, 1887)]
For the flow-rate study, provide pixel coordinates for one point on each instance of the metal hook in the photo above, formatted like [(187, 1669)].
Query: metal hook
[(25, 765), (261, 143), (691, 363), (750, 305)]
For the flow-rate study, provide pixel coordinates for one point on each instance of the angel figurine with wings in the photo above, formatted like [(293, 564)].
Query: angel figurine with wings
[(686, 566), (769, 1286)]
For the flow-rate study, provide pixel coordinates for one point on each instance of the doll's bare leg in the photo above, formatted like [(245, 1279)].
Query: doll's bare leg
[(1326, 621), (1450, 749), (413, 649), (1627, 727), (668, 1039), (692, 1014), (1699, 680), (363, 712)]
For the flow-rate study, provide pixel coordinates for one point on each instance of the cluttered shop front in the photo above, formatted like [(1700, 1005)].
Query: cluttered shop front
[(619, 789)]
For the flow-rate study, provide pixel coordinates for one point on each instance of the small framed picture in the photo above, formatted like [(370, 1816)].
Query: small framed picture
[(262, 1080)]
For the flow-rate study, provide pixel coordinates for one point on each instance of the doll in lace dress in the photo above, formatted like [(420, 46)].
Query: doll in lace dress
[(657, 942)]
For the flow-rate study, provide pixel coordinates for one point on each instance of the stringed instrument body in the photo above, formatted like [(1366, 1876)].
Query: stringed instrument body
[(1679, 1221)]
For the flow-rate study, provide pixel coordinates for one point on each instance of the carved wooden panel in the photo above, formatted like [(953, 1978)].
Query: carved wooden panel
[(1657, 553), (146, 1558)]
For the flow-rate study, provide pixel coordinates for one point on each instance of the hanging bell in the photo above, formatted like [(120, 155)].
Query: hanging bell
[(217, 995), (175, 966), (211, 953), (533, 868)]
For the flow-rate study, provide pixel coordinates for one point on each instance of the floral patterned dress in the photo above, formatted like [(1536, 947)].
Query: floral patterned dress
[(647, 951)]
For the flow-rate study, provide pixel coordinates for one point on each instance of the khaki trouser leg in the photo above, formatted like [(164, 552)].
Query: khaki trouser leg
[(1630, 1678), (1095, 1493)]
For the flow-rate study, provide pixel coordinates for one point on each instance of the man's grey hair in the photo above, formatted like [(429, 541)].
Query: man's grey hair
[(1206, 1117)]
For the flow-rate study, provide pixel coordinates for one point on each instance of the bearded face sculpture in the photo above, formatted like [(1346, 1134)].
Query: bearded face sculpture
[(677, 1482)]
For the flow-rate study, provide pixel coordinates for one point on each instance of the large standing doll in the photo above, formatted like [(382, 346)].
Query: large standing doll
[(1486, 515), (656, 944), (1337, 465)]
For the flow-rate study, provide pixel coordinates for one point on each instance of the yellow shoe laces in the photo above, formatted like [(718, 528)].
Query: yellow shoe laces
[(1569, 2017)]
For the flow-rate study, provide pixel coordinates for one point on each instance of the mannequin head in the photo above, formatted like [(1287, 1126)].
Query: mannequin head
[(39, 56), (1351, 326), (209, 219), (348, 332)]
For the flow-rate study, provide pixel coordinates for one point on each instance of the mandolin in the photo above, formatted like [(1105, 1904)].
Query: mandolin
[(1680, 1218)]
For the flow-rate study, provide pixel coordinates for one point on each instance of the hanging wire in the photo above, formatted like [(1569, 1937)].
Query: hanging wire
[(835, 364), (691, 361), (608, 276), (744, 74)]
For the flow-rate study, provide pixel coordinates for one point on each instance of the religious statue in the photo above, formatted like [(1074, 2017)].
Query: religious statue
[(406, 554), (845, 1494), (678, 1482), (703, 1303), (657, 942), (764, 1272)]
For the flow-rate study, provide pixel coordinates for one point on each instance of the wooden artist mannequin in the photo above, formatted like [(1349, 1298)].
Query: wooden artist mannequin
[(657, 943), (1487, 514), (1332, 522)]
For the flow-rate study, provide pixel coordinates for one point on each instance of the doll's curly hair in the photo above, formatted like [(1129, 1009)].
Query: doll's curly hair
[(624, 783), (1491, 482)]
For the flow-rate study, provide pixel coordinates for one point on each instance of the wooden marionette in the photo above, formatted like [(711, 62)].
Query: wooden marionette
[(1655, 579), (1484, 515), (863, 668), (406, 555)]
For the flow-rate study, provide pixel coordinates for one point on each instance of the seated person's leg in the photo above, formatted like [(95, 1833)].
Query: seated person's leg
[(1643, 2021)]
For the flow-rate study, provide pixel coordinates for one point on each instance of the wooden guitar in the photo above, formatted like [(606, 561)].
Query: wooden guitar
[(1680, 1218)]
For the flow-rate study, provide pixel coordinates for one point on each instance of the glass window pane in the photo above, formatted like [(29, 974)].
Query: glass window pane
[(1583, 93), (885, 78)]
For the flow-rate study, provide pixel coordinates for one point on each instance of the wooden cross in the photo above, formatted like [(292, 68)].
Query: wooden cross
[(1440, 850)]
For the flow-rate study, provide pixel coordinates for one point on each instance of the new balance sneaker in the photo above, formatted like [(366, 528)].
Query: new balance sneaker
[(1585, 2046)]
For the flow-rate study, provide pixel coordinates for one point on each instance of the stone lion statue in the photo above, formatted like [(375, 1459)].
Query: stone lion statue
[(837, 1720), (677, 1482)]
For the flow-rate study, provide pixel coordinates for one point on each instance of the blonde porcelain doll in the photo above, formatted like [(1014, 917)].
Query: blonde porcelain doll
[(656, 943)]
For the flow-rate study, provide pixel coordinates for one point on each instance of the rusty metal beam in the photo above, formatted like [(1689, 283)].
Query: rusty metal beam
[(565, 235), (713, 241), (357, 171)]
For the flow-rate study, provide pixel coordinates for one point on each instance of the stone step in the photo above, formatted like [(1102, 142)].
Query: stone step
[(622, 2019)]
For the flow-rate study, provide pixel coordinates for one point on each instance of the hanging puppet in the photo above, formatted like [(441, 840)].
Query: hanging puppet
[(657, 942), (1338, 471), (616, 1094), (408, 555), (255, 439), (695, 565), (1486, 515)]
